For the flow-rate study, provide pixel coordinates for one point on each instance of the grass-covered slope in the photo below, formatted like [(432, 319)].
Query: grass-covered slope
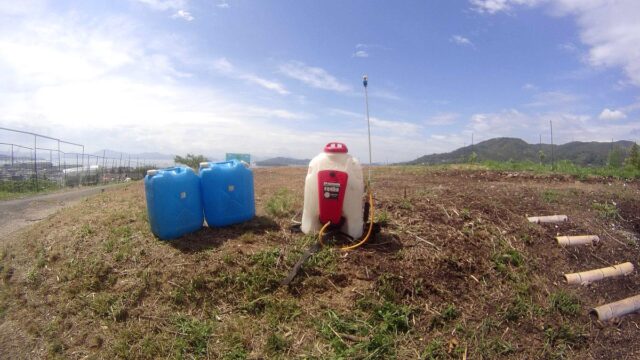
[(456, 270)]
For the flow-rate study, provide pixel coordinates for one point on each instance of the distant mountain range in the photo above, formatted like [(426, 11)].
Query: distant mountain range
[(505, 149), (283, 161)]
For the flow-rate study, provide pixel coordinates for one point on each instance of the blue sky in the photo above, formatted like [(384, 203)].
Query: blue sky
[(282, 78)]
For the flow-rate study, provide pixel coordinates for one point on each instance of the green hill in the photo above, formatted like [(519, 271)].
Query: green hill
[(505, 149)]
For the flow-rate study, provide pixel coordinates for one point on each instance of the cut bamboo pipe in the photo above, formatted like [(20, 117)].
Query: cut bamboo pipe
[(617, 309), (590, 276), (577, 240), (552, 219)]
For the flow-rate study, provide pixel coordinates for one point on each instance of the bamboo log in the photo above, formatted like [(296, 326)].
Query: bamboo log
[(577, 240), (617, 309), (590, 276), (552, 219)]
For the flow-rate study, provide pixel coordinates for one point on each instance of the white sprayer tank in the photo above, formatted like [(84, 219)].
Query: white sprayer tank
[(335, 157)]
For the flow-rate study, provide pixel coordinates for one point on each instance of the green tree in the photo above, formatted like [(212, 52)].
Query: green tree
[(615, 158), (473, 157), (190, 160), (633, 160), (541, 156)]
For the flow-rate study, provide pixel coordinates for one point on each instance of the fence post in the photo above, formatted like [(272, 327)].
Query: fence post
[(59, 170), (82, 169), (78, 169), (35, 159), (104, 153)]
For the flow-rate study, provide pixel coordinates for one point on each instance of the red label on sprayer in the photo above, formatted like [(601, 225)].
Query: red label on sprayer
[(332, 185)]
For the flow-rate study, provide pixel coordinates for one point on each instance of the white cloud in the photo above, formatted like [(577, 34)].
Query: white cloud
[(364, 50), (183, 14), (223, 65), (105, 85), (567, 126), (361, 54), (345, 113), (460, 40), (608, 114), (610, 29), (568, 47), (554, 99), (497, 124), (313, 76), (529, 86), (443, 119), (163, 5), (394, 127), (108, 84), (494, 6), (382, 93), (23, 7), (223, 5)]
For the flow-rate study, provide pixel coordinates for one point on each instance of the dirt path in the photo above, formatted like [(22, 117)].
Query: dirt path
[(19, 213)]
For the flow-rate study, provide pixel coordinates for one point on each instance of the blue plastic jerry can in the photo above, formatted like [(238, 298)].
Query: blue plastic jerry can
[(174, 201), (227, 192)]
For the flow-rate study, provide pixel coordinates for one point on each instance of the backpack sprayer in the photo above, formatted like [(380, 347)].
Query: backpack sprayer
[(333, 197)]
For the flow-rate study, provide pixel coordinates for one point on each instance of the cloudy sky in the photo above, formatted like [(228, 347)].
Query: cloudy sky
[(284, 77)]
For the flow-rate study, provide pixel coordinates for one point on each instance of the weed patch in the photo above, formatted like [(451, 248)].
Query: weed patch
[(281, 204), (502, 261), (550, 196), (193, 336), (374, 327), (564, 303), (606, 210)]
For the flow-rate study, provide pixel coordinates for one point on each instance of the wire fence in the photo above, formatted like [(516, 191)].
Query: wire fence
[(34, 162)]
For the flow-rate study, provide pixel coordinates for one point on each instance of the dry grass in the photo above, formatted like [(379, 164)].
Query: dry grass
[(457, 269)]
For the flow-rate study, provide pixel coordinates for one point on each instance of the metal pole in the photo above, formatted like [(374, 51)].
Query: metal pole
[(35, 159), (12, 155), (78, 169), (104, 153), (59, 157), (540, 148), (83, 163), (553, 163), (365, 82)]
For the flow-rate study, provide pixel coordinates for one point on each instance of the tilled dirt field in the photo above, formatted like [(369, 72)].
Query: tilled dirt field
[(455, 272)]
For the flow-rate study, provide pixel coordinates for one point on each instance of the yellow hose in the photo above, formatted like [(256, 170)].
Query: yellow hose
[(364, 239), (321, 233)]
